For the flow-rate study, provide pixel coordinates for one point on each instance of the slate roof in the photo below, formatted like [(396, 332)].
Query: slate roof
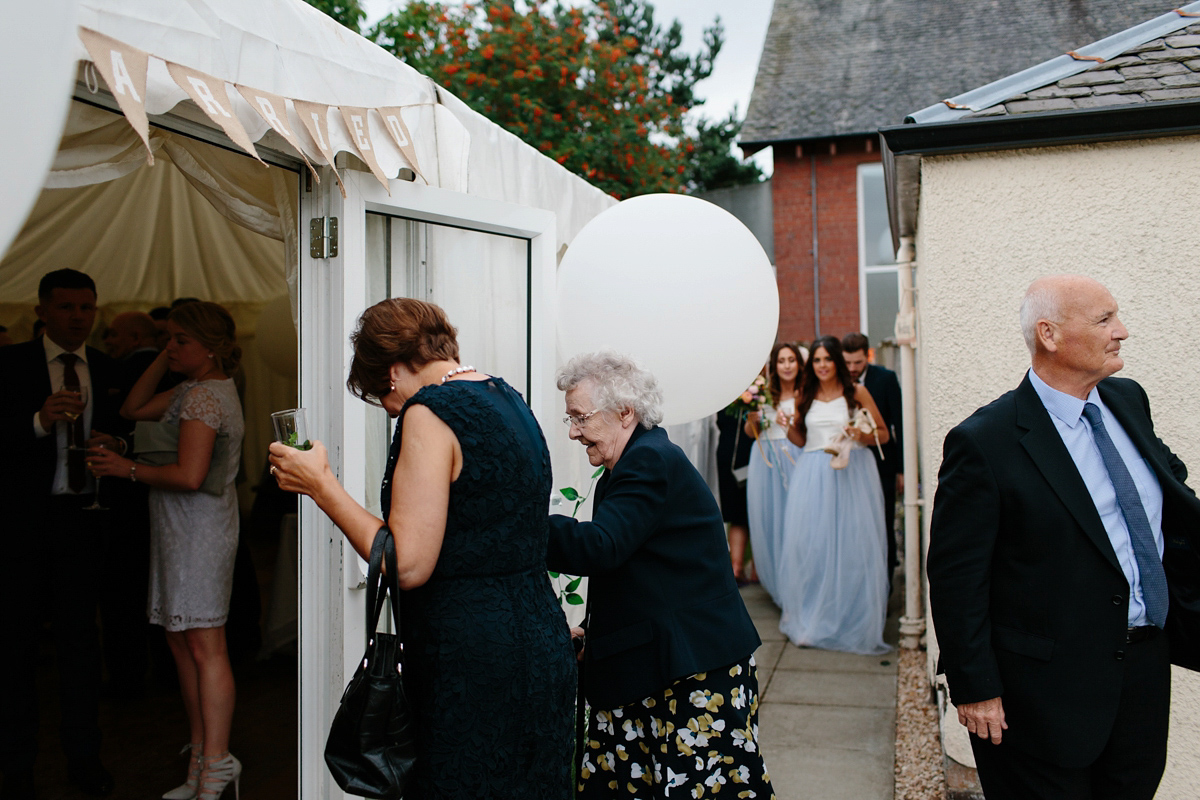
[(844, 67), (1167, 68)]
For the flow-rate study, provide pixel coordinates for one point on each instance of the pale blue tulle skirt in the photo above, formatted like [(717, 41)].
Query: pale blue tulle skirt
[(766, 498), (832, 560)]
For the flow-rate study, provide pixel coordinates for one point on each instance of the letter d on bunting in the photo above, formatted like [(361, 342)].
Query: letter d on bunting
[(209, 94), (393, 120), (124, 70)]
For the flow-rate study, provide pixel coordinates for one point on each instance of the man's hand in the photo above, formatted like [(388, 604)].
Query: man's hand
[(900, 484), (985, 719), (62, 406)]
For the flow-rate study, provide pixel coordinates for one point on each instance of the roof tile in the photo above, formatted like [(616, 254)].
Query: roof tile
[(1186, 79), (1192, 40), (1090, 78), (1101, 100), (1173, 94), (1050, 104), (1170, 54), (1055, 90), (1153, 70), (1128, 87)]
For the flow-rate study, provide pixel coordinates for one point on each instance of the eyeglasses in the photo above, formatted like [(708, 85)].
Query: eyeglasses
[(579, 420)]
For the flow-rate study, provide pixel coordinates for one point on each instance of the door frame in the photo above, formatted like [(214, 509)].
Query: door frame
[(332, 626)]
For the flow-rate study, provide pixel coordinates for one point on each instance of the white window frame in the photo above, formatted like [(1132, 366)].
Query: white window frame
[(865, 269)]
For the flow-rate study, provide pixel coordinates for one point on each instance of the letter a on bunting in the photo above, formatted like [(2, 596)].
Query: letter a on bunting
[(209, 94), (315, 118), (124, 70), (356, 122)]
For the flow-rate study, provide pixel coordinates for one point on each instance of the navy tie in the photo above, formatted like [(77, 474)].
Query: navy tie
[(1150, 568)]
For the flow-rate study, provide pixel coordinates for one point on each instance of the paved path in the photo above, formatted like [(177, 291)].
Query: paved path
[(827, 722)]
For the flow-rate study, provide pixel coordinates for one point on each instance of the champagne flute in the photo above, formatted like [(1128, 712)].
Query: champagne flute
[(95, 506), (82, 391)]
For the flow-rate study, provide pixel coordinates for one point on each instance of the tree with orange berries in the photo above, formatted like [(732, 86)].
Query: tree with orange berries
[(600, 87)]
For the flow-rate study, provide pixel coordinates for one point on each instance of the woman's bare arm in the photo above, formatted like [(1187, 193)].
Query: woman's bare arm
[(866, 401)]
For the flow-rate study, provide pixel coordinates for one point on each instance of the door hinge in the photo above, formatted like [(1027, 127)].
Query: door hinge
[(323, 237)]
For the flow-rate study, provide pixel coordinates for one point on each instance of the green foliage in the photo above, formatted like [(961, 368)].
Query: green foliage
[(713, 165), (600, 87), (569, 594), (291, 441), (348, 12)]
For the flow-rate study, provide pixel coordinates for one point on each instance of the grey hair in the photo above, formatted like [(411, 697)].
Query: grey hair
[(1041, 302), (617, 382)]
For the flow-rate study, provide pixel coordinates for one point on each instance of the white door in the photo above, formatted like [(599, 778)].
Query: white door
[(490, 265)]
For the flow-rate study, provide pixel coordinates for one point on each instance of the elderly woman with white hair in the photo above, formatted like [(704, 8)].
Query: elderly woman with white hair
[(668, 668)]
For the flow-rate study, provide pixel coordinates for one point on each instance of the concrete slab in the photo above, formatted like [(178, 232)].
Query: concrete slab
[(808, 658), (868, 730), (856, 689), (829, 774)]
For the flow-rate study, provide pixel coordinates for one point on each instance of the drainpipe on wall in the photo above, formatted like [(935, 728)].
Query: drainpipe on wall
[(912, 624), (812, 172)]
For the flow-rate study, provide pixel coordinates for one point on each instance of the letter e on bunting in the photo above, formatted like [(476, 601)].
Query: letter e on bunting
[(208, 93), (273, 109), (124, 70), (315, 118), (356, 121), (394, 122)]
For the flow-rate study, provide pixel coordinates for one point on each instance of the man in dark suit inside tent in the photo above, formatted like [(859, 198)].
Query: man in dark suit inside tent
[(1063, 545), (884, 387), (55, 390)]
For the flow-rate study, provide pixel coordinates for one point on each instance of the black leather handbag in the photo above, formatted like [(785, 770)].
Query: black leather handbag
[(371, 747)]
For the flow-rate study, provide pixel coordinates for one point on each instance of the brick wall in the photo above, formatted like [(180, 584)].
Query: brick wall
[(837, 234)]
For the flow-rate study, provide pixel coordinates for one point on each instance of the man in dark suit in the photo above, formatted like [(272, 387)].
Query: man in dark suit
[(1063, 544), (55, 390), (884, 387)]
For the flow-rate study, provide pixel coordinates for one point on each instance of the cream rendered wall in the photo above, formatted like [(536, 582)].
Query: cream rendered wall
[(1125, 213)]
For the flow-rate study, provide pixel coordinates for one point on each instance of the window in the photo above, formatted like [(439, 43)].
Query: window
[(878, 289)]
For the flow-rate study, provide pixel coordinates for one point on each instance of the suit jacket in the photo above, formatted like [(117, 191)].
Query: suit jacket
[(884, 387), (662, 598), (1028, 599), (27, 470)]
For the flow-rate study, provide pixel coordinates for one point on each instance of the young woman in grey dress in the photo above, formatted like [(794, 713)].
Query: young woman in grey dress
[(194, 533)]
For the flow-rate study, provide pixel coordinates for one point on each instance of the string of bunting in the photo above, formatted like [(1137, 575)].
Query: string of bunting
[(124, 68)]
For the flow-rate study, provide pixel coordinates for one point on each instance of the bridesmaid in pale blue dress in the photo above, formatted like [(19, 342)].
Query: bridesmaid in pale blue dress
[(771, 463), (834, 595)]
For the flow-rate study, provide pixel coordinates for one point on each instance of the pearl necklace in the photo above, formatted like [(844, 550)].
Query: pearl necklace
[(457, 371)]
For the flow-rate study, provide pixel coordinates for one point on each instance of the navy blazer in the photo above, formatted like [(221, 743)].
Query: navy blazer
[(662, 597), (1028, 599), (884, 387), (27, 471)]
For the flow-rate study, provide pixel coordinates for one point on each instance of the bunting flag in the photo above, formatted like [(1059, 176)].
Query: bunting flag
[(393, 120), (315, 118), (273, 109), (209, 94), (360, 135), (124, 70)]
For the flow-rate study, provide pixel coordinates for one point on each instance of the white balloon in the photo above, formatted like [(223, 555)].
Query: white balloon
[(679, 284), (37, 62)]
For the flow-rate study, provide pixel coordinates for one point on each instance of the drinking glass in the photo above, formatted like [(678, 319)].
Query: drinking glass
[(291, 428), (95, 506)]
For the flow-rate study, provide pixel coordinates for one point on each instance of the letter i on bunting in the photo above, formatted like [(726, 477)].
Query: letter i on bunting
[(356, 121), (124, 70), (273, 109), (394, 122), (315, 118), (209, 94)]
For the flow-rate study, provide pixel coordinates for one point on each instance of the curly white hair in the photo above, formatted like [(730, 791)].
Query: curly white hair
[(617, 382)]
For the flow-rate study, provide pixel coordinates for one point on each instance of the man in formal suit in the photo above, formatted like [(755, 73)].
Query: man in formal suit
[(55, 390), (884, 387), (1063, 543)]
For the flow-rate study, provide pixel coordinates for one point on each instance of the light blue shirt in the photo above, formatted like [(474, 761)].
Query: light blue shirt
[(1067, 414)]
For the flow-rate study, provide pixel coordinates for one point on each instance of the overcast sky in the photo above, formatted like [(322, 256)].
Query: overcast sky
[(732, 80)]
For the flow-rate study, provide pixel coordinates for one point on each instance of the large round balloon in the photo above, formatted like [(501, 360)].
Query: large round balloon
[(37, 59), (679, 284)]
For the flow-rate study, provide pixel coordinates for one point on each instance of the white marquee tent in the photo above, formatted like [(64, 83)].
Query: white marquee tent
[(429, 199)]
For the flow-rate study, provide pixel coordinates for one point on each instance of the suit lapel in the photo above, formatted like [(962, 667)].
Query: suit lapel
[(1044, 445)]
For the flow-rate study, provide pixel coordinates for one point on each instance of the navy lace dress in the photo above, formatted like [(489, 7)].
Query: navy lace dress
[(490, 667)]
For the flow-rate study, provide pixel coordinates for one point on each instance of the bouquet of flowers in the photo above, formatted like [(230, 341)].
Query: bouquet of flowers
[(753, 399)]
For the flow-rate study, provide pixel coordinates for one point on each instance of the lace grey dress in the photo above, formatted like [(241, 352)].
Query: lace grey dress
[(194, 535)]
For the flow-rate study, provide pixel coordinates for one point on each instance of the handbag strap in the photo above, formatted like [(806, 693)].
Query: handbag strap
[(383, 547)]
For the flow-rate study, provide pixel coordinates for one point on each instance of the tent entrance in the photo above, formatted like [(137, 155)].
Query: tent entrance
[(206, 222)]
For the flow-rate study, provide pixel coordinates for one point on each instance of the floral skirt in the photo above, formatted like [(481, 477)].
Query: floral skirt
[(697, 738)]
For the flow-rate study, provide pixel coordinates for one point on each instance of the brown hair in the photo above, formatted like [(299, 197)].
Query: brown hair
[(855, 343), (399, 330), (811, 383), (774, 381), (212, 326)]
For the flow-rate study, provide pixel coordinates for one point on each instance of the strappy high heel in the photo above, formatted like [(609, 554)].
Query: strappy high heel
[(187, 791), (216, 774)]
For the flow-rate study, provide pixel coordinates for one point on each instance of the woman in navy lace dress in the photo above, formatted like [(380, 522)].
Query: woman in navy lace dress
[(491, 670)]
